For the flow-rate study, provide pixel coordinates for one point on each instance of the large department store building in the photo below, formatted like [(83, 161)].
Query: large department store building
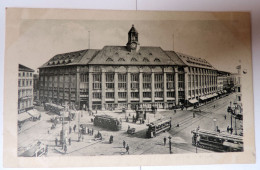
[(126, 76)]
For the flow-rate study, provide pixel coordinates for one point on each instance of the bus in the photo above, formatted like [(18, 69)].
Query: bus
[(107, 122), (220, 142), (158, 126)]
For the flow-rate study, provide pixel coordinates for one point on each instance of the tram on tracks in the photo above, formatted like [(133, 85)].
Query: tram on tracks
[(108, 122), (158, 126), (54, 108), (220, 142)]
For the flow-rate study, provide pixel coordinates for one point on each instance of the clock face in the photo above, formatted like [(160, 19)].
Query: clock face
[(133, 45)]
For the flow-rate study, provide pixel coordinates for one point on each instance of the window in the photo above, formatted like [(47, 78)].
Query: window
[(121, 59), (27, 74), (134, 81), (157, 60), (134, 59), (30, 82), (145, 60), (122, 81), (19, 83), (23, 74), (19, 74), (84, 78), (27, 83), (30, 74), (109, 59), (96, 95), (170, 94), (239, 98), (110, 80), (122, 95), (159, 94), (170, 81), (110, 95), (147, 80), (96, 81), (158, 81), (134, 94), (238, 89), (97, 69), (147, 94)]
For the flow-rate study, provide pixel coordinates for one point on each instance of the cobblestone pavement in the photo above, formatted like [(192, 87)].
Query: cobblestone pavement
[(31, 132)]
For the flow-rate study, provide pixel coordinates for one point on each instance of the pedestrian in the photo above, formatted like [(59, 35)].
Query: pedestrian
[(70, 130), (88, 130), (92, 131), (225, 116), (65, 148), (140, 121), (123, 143), (228, 129), (70, 141), (128, 127), (127, 149), (48, 131), (126, 119), (164, 141), (56, 141), (74, 128), (133, 118), (46, 149)]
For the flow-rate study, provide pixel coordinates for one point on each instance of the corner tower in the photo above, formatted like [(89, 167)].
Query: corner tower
[(133, 44)]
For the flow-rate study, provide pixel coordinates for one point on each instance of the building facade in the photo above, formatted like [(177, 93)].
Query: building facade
[(35, 87), (126, 76), (25, 88)]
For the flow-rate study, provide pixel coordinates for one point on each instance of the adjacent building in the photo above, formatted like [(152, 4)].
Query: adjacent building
[(126, 76), (25, 88), (35, 87)]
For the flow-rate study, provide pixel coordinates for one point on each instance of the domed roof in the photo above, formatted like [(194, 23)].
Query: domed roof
[(133, 30)]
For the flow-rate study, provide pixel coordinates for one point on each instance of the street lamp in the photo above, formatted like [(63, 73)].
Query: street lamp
[(170, 144), (215, 120)]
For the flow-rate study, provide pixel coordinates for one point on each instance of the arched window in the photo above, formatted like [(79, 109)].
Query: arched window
[(145, 60), (157, 60), (109, 59), (121, 59), (134, 59)]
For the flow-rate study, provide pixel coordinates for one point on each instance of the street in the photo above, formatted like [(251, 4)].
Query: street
[(181, 141)]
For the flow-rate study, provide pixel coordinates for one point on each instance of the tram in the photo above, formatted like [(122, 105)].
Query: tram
[(54, 108), (158, 126), (107, 122), (220, 142)]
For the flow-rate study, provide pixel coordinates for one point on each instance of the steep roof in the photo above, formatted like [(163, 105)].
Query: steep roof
[(133, 29), (119, 55), (24, 68), (175, 58), (73, 58), (194, 61)]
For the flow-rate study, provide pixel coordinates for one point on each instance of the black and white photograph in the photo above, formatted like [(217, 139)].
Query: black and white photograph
[(140, 84)]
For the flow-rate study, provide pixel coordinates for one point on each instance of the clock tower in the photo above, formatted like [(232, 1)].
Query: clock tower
[(133, 44)]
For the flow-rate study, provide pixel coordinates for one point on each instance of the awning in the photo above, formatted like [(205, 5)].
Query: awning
[(34, 113), (210, 96), (23, 116), (192, 101), (203, 98), (215, 94)]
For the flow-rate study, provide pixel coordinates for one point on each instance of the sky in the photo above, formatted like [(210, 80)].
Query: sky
[(224, 43)]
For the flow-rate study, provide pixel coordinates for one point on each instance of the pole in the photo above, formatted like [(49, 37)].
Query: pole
[(78, 126), (235, 127), (231, 121)]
